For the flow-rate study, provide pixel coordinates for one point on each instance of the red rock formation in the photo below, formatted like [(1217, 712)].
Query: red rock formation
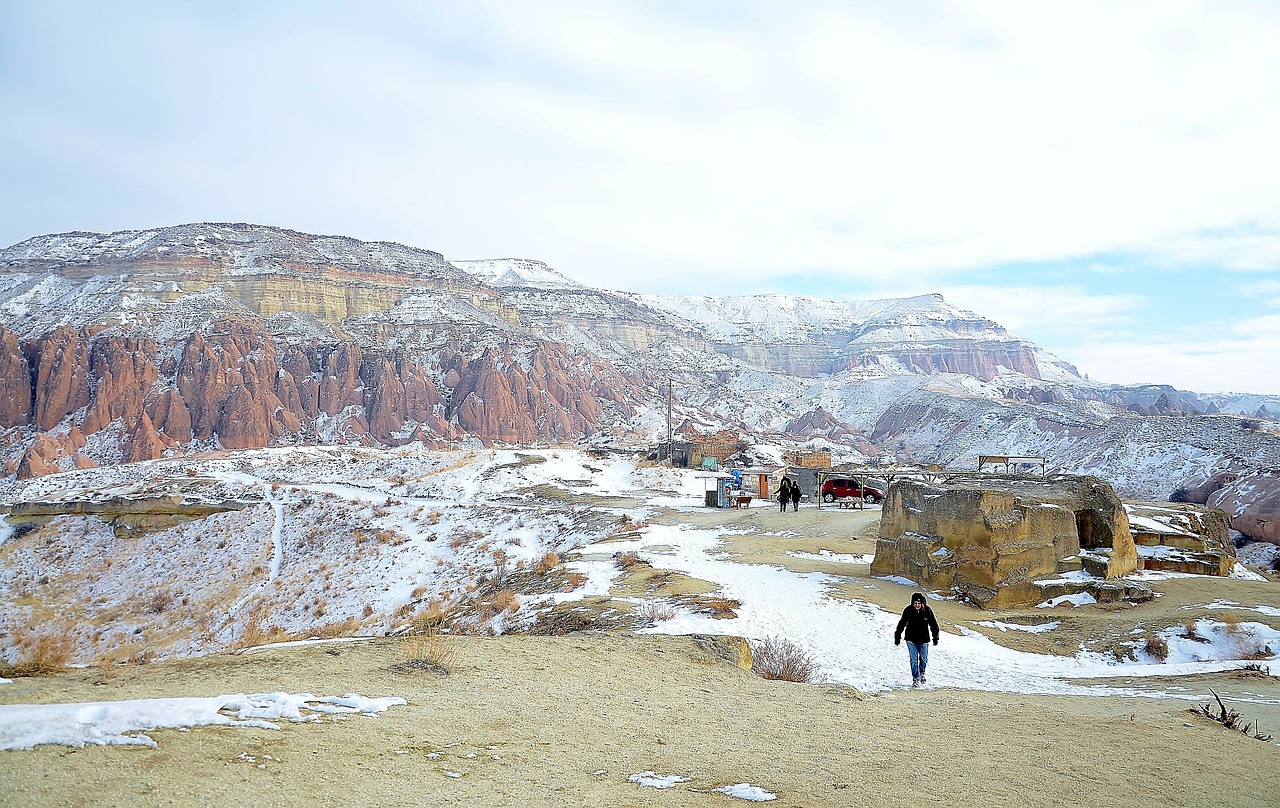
[(145, 443), (41, 458), (395, 392), (62, 376), (341, 386), (123, 370), (15, 382), (168, 413), (1253, 504), (227, 381)]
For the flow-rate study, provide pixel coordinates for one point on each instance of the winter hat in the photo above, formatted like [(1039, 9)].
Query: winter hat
[(917, 596)]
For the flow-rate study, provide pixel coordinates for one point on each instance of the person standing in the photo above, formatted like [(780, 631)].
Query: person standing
[(795, 495), (918, 623), (784, 494)]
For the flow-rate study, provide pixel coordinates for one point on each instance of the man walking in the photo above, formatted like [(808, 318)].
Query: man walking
[(784, 494), (919, 623)]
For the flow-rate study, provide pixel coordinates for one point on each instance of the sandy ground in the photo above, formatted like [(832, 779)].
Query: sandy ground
[(556, 710)]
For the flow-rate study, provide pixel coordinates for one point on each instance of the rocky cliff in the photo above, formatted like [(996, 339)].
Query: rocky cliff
[(133, 345)]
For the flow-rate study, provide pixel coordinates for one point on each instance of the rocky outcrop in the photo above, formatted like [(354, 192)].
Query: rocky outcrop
[(226, 383), (61, 363), (819, 422), (49, 454), (123, 370), (989, 538), (1252, 503), (1181, 538), (15, 382), (981, 360)]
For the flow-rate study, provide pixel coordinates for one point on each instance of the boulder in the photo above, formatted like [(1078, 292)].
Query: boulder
[(990, 537)]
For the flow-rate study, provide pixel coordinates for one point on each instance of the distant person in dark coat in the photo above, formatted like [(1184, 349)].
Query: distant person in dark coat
[(795, 496), (918, 622), (784, 494)]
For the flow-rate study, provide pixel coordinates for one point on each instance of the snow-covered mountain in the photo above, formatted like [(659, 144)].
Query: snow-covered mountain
[(142, 344)]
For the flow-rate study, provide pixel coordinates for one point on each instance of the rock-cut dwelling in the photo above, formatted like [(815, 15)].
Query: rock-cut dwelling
[(1007, 541)]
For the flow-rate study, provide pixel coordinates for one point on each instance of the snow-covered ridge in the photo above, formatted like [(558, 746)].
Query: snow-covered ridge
[(236, 246), (522, 272)]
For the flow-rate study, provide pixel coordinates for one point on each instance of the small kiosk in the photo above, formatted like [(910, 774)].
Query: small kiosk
[(724, 491)]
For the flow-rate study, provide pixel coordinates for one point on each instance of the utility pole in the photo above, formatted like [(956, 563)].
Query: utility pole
[(671, 461)]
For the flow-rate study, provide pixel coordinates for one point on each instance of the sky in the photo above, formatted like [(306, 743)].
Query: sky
[(1100, 178)]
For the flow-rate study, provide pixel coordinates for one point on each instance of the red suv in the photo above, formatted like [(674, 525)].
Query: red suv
[(841, 487)]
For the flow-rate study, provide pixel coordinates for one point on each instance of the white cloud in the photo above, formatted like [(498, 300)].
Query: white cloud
[(1064, 311), (1240, 360), (683, 148)]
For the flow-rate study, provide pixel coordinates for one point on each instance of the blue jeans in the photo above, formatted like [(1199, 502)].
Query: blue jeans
[(919, 656)]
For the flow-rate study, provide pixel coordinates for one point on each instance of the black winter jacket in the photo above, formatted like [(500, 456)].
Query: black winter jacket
[(918, 625)]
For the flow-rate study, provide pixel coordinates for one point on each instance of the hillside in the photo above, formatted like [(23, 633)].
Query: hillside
[(138, 345)]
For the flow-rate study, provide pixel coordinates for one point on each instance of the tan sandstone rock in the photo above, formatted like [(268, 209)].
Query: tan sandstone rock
[(991, 537)]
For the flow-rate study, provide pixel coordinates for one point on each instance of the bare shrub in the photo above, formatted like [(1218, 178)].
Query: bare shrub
[(507, 601), (780, 658), (1189, 630), (159, 601), (655, 611), (1229, 718), (42, 654), (574, 580), (547, 563), (1157, 647), (626, 560)]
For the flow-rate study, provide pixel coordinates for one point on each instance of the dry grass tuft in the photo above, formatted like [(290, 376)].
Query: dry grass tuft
[(349, 627), (627, 560), (42, 654), (507, 601), (573, 580), (719, 608), (547, 563), (1156, 646), (1231, 621), (432, 651), (1189, 630), (432, 618), (779, 658)]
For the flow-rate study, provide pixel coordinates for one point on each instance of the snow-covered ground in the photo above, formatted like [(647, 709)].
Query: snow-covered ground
[(365, 538), (23, 726)]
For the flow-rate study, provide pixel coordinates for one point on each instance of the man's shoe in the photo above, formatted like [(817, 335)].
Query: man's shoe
[(915, 682), (923, 681)]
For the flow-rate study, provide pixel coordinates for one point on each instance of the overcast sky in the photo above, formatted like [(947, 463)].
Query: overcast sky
[(1103, 179)]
